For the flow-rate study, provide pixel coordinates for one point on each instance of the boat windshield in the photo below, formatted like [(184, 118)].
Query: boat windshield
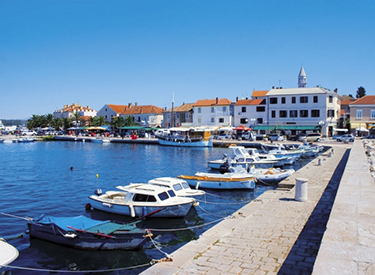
[(163, 196), (177, 187), (185, 185), (144, 198)]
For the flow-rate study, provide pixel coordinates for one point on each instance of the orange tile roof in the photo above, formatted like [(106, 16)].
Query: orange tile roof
[(346, 101), (342, 112), (117, 108), (183, 108), (368, 99), (259, 93), (249, 102), (145, 109), (211, 102)]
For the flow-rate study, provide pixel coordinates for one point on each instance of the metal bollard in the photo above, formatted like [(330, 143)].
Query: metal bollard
[(301, 189), (319, 162)]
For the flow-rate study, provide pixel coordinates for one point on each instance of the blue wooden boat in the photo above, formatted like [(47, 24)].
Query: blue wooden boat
[(84, 233)]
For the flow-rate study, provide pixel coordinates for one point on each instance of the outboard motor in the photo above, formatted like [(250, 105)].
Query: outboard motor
[(98, 192), (224, 168)]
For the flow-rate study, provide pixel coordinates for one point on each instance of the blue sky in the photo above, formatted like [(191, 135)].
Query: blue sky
[(95, 52)]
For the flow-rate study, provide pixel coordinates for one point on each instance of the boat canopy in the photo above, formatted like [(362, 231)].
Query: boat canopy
[(79, 222)]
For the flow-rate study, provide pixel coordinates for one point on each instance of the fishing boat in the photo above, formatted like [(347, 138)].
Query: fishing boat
[(241, 157), (8, 253), (270, 176), (230, 180), (84, 233), (186, 137), (24, 140), (279, 150), (179, 186), (143, 200)]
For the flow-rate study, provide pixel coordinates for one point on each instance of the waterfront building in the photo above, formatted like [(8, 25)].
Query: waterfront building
[(145, 115), (179, 116), (69, 110), (249, 112), (362, 114), (213, 112), (109, 111)]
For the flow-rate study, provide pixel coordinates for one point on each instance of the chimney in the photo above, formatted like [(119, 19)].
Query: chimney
[(129, 105), (237, 99), (273, 87), (217, 100), (136, 104), (247, 98)]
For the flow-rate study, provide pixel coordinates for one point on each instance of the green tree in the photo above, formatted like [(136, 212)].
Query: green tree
[(361, 92), (117, 122), (129, 121)]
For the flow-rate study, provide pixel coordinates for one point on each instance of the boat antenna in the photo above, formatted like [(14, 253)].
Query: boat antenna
[(172, 118), (98, 191)]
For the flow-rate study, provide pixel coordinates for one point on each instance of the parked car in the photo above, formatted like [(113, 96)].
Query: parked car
[(248, 136), (28, 133), (276, 137), (345, 138), (311, 137)]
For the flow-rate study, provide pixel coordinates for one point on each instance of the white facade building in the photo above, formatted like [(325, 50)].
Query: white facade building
[(69, 110), (314, 107), (212, 112)]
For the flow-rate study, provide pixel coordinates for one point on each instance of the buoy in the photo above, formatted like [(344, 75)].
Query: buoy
[(88, 206), (97, 175), (71, 168)]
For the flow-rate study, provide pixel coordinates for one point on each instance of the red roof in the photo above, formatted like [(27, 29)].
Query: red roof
[(212, 102), (249, 102), (146, 109), (346, 101), (259, 94), (368, 99)]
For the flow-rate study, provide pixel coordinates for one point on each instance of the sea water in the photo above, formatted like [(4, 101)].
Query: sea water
[(56, 178)]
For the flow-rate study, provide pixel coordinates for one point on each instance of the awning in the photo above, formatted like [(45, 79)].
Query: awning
[(132, 128), (264, 127), (241, 128)]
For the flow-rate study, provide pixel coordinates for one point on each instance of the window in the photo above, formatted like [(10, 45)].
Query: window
[(260, 120), (224, 109), (330, 113), (144, 198), (330, 99), (261, 109), (199, 119), (273, 100), (359, 114), (293, 99), (177, 187), (372, 114), (199, 110), (243, 120), (221, 120), (315, 99), (163, 196), (315, 113), (212, 109), (171, 193), (212, 119), (303, 99), (293, 113), (283, 113), (243, 109), (283, 100), (186, 116), (273, 113), (303, 113)]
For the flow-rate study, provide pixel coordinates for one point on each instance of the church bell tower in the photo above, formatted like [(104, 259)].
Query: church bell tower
[(302, 78)]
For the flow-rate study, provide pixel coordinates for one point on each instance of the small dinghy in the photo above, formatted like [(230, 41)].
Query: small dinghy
[(84, 233), (270, 176)]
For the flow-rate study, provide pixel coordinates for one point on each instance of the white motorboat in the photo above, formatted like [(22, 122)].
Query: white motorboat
[(270, 176), (279, 150), (179, 186), (230, 180), (282, 160), (24, 139), (8, 253), (100, 140), (186, 137), (241, 157), (143, 200)]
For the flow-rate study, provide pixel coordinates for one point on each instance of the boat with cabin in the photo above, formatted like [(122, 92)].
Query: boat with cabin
[(186, 137), (179, 186), (143, 200), (283, 160), (240, 156)]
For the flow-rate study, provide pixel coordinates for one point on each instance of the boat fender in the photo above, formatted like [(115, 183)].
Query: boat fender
[(132, 212), (197, 186), (88, 206)]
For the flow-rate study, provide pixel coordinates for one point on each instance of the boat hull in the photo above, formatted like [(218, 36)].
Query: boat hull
[(170, 211), (224, 185), (183, 143), (217, 164), (268, 177), (84, 241)]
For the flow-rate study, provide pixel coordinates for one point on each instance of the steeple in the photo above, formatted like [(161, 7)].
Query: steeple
[(302, 78)]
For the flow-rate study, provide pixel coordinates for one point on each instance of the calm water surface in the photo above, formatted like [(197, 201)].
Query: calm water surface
[(36, 179)]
